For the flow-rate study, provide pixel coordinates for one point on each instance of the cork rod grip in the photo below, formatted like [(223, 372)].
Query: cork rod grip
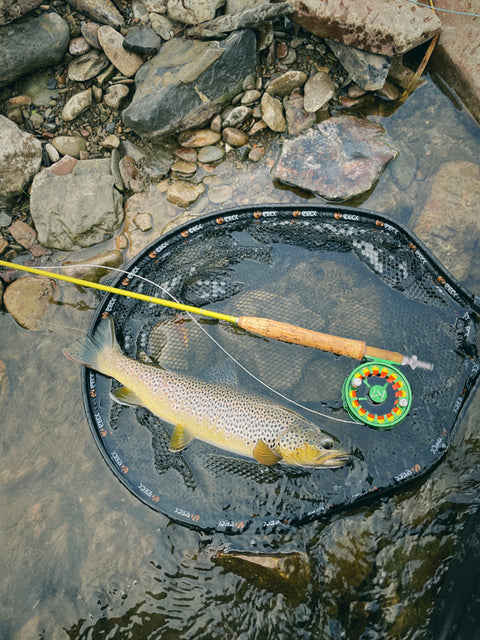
[(297, 335)]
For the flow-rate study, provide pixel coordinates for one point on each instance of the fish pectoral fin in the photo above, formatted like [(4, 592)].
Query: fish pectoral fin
[(264, 455), (123, 395), (180, 439)]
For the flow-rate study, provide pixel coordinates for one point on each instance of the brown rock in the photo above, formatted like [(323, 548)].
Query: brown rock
[(183, 194), (29, 300), (27, 237), (111, 42), (235, 137), (198, 138)]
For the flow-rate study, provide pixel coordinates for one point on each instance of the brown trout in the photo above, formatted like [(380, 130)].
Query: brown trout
[(219, 414)]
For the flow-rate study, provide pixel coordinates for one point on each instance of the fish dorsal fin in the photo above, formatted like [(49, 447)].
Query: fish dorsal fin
[(264, 455), (180, 439), (125, 396)]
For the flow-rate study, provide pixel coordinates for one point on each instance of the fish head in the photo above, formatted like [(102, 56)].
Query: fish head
[(308, 446)]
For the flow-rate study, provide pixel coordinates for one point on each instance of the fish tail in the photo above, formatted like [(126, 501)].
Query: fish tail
[(90, 350)]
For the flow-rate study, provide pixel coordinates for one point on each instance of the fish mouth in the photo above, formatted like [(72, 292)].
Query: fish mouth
[(331, 459)]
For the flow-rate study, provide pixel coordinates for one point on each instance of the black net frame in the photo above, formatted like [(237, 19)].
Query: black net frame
[(362, 275)]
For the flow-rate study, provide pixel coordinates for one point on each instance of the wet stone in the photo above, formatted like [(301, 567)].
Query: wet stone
[(284, 84), (337, 159), (235, 137), (198, 138), (29, 299), (112, 44), (183, 194), (272, 113), (27, 237), (210, 154), (318, 91), (183, 169), (143, 221), (237, 116), (256, 154), (187, 153), (87, 66), (220, 194), (93, 268)]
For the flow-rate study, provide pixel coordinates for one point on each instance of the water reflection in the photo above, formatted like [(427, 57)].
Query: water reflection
[(81, 558)]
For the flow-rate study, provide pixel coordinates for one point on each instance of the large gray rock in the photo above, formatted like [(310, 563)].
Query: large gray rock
[(20, 159), (26, 46), (76, 210), (188, 82), (13, 9), (337, 159), (388, 27)]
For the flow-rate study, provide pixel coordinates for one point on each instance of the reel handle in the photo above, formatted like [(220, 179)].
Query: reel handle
[(356, 349)]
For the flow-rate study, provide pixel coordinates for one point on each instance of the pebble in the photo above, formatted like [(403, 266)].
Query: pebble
[(235, 137), (64, 166), (298, 119), (28, 300), (78, 46), (162, 26), (111, 142), (250, 96), (87, 66), (272, 111), (183, 194), (318, 91), (237, 116), (142, 40), (111, 42), (198, 138), (52, 152), (183, 169), (27, 237), (256, 154), (69, 145), (90, 33), (389, 92), (77, 105), (284, 84), (128, 170), (216, 123), (115, 95), (219, 194), (143, 221), (186, 153), (210, 154)]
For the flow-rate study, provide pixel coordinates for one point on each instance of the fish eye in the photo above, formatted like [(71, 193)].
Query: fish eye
[(327, 444)]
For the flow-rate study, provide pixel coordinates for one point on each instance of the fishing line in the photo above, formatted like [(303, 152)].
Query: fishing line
[(461, 13), (220, 346)]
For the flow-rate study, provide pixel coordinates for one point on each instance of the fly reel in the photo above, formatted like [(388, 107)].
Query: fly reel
[(377, 394)]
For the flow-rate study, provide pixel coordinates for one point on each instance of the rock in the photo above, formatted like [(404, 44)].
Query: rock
[(250, 96), (389, 92), (79, 46), (298, 119), (142, 40), (272, 111), (368, 70), (112, 44), (41, 87), (237, 116), (235, 137), (3, 243), (26, 236), (182, 169), (220, 193), (53, 154), (183, 194), (210, 154), (318, 91), (198, 138), (151, 202), (188, 82), (20, 159), (193, 11), (256, 154), (115, 95), (25, 46), (12, 9), (76, 210), (93, 268), (449, 223), (284, 84), (162, 26), (102, 11), (159, 162), (186, 153), (87, 66), (64, 166), (337, 159), (143, 221), (29, 300), (111, 142), (77, 105), (90, 33), (128, 170), (379, 26), (69, 145)]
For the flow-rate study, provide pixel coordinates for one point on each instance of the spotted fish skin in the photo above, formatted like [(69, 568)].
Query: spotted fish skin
[(219, 414)]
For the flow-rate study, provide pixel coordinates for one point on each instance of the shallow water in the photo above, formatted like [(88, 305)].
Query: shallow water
[(81, 558)]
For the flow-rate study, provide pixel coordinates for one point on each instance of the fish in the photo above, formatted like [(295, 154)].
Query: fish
[(222, 415)]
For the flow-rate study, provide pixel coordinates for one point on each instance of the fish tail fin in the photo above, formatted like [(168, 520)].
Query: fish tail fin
[(89, 350)]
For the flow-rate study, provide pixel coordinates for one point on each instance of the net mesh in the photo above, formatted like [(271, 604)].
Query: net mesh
[(334, 270)]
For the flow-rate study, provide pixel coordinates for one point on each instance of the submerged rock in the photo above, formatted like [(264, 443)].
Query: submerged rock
[(20, 159), (449, 223), (30, 299), (337, 159), (188, 82), (78, 209), (26, 46)]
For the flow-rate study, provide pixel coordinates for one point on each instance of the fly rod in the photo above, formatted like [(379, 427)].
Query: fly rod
[(356, 349)]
